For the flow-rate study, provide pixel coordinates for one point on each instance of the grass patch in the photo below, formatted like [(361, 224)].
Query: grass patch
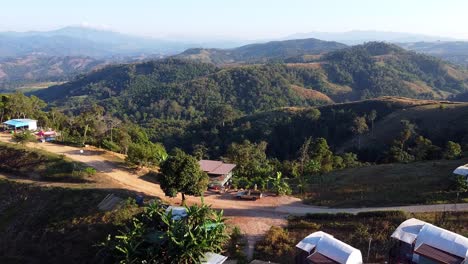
[(55, 225), (41, 165), (355, 230), (388, 185)]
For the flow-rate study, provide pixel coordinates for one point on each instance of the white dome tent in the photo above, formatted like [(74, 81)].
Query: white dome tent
[(320, 247)]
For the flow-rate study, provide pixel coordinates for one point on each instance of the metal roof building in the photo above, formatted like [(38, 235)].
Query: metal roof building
[(22, 123), (219, 172)]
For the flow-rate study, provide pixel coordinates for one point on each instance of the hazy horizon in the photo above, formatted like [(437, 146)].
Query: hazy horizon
[(241, 19)]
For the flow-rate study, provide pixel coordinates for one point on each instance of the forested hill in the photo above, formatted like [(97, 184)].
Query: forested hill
[(18, 71), (257, 53), (185, 89)]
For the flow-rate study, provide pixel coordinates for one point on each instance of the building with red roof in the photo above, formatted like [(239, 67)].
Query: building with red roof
[(219, 172)]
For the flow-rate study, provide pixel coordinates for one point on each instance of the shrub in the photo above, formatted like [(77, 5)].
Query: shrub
[(452, 151), (241, 182), (112, 146), (277, 244), (89, 171), (24, 137), (146, 154)]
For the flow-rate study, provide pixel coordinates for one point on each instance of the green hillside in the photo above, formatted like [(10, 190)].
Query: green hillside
[(188, 90), (262, 52), (286, 129)]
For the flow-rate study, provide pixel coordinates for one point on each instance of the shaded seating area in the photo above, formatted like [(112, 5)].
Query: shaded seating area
[(323, 248), (24, 124), (421, 242)]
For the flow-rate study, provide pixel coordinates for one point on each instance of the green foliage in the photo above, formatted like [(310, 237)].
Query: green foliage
[(112, 146), (397, 154), (24, 137), (89, 171), (459, 183), (452, 150), (181, 173), (155, 237), (146, 154), (275, 245), (250, 159), (279, 185), (350, 160), (241, 183)]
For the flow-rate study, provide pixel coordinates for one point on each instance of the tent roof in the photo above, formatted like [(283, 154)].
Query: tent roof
[(462, 170), (443, 239), (19, 122), (310, 242), (413, 230), (338, 251), (178, 212), (408, 230), (330, 247)]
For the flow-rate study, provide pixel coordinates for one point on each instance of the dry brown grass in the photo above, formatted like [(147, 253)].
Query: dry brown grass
[(311, 94)]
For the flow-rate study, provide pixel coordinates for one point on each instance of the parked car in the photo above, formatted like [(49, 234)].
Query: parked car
[(249, 195)]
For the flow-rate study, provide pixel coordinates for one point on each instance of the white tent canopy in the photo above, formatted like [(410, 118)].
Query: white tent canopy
[(443, 239), (462, 170), (178, 212), (330, 247), (310, 242), (413, 230), (408, 230)]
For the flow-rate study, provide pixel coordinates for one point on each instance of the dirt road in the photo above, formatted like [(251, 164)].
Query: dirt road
[(253, 218)]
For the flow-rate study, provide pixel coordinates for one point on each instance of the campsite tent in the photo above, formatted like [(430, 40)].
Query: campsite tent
[(432, 242), (22, 123), (462, 170), (324, 248)]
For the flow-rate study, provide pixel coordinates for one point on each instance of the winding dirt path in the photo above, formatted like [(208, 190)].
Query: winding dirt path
[(253, 218)]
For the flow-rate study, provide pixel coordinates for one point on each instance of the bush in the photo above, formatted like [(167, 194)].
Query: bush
[(452, 151), (89, 171), (24, 137), (146, 154), (112, 146), (277, 245), (241, 183)]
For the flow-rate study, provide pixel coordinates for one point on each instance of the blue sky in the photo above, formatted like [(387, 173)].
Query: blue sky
[(242, 19)]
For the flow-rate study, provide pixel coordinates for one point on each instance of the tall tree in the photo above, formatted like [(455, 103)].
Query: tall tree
[(372, 116), (181, 173), (250, 158), (359, 127)]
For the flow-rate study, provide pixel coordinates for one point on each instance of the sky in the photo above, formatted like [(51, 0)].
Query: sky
[(239, 19)]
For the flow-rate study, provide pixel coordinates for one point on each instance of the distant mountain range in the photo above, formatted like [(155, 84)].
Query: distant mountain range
[(361, 36), (83, 41), (24, 71), (453, 51), (263, 52)]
